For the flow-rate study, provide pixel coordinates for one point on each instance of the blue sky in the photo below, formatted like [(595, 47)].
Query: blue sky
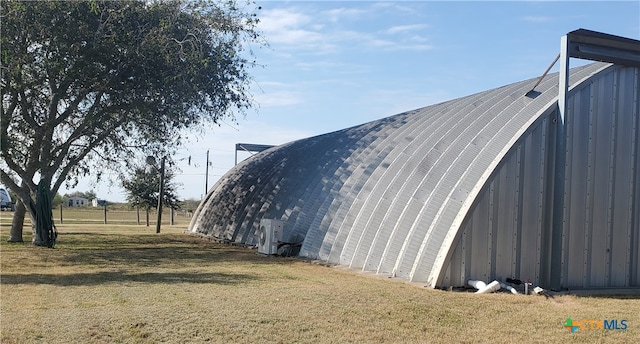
[(335, 64)]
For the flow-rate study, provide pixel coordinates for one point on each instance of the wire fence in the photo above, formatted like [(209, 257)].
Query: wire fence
[(106, 215)]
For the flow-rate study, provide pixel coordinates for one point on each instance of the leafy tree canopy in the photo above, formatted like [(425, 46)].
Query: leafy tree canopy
[(88, 85), (144, 185)]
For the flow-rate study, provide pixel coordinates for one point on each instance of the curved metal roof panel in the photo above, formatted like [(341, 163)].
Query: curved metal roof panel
[(387, 196)]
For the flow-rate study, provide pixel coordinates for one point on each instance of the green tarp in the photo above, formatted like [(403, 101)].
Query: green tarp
[(45, 230)]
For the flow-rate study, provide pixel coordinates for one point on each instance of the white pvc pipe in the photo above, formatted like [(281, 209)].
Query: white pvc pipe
[(509, 288), (490, 288), (476, 284)]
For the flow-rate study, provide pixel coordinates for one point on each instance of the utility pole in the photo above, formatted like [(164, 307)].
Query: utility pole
[(206, 175)]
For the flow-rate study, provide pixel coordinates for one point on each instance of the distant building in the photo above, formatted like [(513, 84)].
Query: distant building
[(98, 202), (77, 202)]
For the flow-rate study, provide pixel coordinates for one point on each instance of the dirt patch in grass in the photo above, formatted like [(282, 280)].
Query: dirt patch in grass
[(126, 284)]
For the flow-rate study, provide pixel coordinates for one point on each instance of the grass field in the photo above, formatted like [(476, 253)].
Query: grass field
[(119, 283)]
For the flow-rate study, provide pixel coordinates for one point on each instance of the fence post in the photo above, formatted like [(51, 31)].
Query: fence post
[(105, 213)]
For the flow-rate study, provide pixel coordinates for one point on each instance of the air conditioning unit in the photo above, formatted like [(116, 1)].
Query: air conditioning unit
[(269, 234)]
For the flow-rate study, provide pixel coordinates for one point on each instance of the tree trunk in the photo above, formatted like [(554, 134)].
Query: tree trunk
[(44, 230), (147, 217), (18, 222)]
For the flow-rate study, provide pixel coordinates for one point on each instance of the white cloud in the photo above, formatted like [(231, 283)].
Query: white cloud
[(285, 26), (279, 20), (393, 6), (405, 28), (411, 43), (293, 29), (417, 38), (336, 14), (300, 29), (405, 38)]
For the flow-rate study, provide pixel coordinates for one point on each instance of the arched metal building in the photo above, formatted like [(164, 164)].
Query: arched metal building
[(460, 190)]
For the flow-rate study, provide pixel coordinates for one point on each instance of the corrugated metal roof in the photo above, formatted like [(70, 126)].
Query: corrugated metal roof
[(386, 196)]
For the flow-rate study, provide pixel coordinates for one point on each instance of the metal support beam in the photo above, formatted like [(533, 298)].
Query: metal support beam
[(557, 229), (563, 82), (532, 93)]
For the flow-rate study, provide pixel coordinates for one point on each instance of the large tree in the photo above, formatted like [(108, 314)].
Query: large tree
[(88, 85)]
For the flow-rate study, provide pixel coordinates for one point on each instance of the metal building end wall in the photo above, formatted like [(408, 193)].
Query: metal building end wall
[(507, 232)]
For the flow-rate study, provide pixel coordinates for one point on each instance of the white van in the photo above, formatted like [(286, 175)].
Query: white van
[(5, 199)]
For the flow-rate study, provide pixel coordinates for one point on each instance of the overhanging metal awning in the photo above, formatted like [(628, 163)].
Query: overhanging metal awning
[(598, 46), (251, 148), (595, 46)]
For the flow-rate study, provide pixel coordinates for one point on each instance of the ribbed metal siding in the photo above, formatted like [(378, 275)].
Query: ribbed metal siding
[(502, 236), (505, 234), (602, 168)]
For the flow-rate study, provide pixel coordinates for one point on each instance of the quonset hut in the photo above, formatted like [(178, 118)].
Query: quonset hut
[(539, 185)]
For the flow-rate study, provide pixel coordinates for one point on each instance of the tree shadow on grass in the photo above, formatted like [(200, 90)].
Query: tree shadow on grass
[(157, 257), (117, 239), (106, 277), (127, 254), (158, 251)]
